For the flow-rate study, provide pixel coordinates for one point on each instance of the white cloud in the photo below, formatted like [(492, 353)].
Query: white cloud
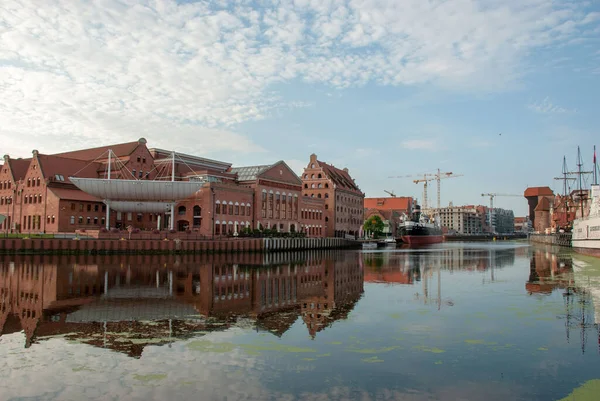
[(420, 144), (110, 71), (547, 107)]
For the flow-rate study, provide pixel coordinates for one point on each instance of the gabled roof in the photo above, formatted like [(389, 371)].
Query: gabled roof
[(250, 173), (543, 205), (339, 177), (538, 191), (19, 167), (52, 165), (119, 150)]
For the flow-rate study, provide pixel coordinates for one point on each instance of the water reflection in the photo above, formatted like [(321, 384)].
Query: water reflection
[(575, 278), (127, 302)]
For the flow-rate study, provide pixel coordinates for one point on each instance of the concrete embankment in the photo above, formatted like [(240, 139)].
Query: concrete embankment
[(558, 239), (95, 246)]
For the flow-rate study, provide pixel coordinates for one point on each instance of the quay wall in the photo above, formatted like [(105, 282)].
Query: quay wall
[(558, 239), (98, 246)]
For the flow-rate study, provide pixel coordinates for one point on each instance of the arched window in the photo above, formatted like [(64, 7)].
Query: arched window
[(181, 210), (326, 206), (326, 185), (312, 176), (326, 195), (320, 185), (197, 216), (305, 186), (312, 165), (319, 196), (320, 176)]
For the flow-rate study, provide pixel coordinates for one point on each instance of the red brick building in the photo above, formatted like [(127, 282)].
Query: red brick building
[(540, 200), (344, 200), (37, 195)]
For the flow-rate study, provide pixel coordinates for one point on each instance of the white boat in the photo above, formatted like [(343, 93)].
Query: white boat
[(586, 230)]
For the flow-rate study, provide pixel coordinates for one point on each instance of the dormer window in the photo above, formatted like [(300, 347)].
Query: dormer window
[(59, 177)]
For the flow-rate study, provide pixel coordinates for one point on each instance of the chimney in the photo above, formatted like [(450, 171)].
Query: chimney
[(6, 158), (34, 152)]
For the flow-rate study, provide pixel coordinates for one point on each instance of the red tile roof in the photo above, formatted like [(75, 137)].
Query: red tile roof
[(120, 150), (19, 167), (339, 177), (51, 165), (397, 203), (538, 191), (73, 194)]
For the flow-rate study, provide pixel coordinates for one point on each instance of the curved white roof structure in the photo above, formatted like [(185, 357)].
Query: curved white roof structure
[(137, 190), (139, 207)]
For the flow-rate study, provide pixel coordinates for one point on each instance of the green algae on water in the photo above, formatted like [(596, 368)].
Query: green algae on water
[(434, 350), (150, 378), (209, 346), (588, 392), (373, 350), (372, 359)]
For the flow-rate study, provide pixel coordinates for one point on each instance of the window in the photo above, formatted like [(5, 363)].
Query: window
[(237, 210), (129, 216), (140, 174), (139, 159), (80, 220), (218, 208), (247, 210), (181, 210), (81, 207), (72, 220), (312, 165), (96, 207), (197, 216), (144, 160), (47, 219), (217, 229), (139, 217), (38, 182), (230, 209), (88, 220), (320, 176), (29, 182), (26, 198), (104, 208), (89, 208), (326, 195), (102, 221), (312, 176), (133, 172)]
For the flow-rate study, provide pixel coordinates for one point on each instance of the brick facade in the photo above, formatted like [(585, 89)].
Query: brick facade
[(344, 201)]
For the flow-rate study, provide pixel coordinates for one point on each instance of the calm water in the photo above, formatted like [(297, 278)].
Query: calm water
[(500, 321)]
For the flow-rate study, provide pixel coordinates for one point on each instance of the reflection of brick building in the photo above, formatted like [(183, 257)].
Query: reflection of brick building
[(344, 201), (119, 295), (547, 272)]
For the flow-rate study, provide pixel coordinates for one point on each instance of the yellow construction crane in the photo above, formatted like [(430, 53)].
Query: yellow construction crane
[(492, 196), (434, 177)]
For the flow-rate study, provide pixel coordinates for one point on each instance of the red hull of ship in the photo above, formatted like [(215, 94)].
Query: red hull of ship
[(422, 239)]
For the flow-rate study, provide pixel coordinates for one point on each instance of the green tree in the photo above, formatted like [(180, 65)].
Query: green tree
[(374, 225)]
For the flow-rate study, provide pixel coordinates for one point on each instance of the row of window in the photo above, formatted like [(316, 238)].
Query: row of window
[(318, 196), (34, 182), (32, 222), (342, 209), (88, 207), (312, 176), (312, 215), (232, 210), (5, 185), (140, 174), (88, 220), (141, 160), (350, 221), (314, 186), (5, 200), (32, 199), (280, 206), (347, 199)]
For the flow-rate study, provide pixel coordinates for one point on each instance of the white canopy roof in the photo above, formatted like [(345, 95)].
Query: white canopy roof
[(139, 207), (137, 190)]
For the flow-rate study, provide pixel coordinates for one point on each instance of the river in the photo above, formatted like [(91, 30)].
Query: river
[(455, 321)]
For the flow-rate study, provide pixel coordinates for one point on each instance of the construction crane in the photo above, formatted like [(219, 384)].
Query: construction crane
[(391, 193), (492, 196), (434, 177)]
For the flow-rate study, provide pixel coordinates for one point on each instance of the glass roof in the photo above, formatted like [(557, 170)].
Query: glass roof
[(249, 173), (137, 190)]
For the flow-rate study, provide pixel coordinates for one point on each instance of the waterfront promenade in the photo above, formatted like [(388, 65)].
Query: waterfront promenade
[(110, 246)]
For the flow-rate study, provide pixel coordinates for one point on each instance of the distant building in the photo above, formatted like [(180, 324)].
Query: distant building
[(465, 220), (398, 204), (503, 221), (343, 198), (522, 224)]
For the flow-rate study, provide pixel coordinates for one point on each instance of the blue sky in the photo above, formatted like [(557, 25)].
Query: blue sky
[(384, 88)]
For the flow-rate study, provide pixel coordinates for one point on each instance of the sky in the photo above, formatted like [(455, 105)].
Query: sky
[(497, 91)]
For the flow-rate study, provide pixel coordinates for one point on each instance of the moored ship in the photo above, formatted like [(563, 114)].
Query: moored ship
[(586, 230), (419, 230)]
